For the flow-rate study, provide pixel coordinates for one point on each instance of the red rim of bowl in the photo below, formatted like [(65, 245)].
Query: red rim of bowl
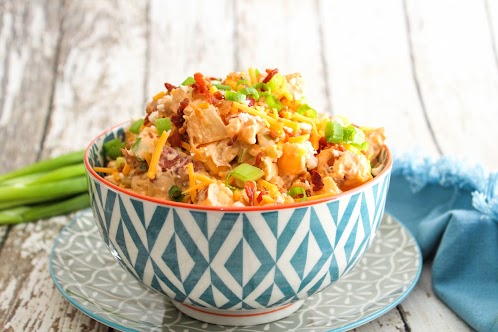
[(94, 174)]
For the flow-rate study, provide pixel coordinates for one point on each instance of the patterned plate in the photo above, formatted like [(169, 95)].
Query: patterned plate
[(87, 275)]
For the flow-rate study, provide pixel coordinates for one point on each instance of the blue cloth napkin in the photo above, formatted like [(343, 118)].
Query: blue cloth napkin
[(452, 210)]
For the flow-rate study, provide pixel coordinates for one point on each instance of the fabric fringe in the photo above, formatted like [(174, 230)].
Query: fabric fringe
[(449, 171)]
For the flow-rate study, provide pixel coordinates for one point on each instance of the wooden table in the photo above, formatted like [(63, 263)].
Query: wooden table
[(425, 70)]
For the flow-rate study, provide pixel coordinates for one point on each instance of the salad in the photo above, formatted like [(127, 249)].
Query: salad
[(249, 139)]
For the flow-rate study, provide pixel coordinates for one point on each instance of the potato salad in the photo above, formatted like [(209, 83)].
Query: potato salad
[(248, 139)]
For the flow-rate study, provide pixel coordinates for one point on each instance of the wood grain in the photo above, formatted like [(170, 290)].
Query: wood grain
[(100, 82), (370, 77), (29, 39), (457, 72), (285, 35), (188, 37)]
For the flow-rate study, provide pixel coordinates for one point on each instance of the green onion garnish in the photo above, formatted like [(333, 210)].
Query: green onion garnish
[(250, 91), (336, 133), (244, 173), (163, 124), (220, 86), (135, 127), (242, 81), (113, 148), (235, 96), (175, 193), (261, 86), (273, 102), (188, 81), (276, 82), (305, 110), (120, 161), (296, 191)]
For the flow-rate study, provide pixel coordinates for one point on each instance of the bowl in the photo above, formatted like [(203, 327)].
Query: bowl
[(233, 265)]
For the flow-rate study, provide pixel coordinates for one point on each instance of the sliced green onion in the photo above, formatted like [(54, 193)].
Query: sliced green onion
[(261, 86), (235, 96), (275, 82), (222, 86), (113, 148), (334, 132), (250, 91), (188, 81), (305, 110), (295, 191), (256, 71), (273, 102), (175, 193), (242, 81), (120, 161), (244, 173), (135, 127), (163, 124)]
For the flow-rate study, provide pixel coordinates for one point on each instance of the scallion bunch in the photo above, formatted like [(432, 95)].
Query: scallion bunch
[(44, 189)]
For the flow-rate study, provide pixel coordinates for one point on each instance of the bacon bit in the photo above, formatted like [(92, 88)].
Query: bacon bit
[(331, 161), (250, 187), (317, 181), (251, 101), (273, 134), (218, 95), (258, 158), (232, 140), (200, 83), (177, 119), (175, 140), (169, 87), (271, 73), (259, 199)]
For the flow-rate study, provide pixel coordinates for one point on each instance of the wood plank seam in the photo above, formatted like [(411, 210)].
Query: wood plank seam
[(53, 83), (416, 79), (491, 32), (323, 58)]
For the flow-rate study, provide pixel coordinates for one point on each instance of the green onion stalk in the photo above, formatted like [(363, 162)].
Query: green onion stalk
[(44, 189)]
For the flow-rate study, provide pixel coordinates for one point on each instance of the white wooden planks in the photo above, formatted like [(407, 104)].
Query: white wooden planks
[(456, 69), (370, 75), (188, 37)]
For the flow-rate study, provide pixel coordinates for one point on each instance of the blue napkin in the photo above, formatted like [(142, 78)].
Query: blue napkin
[(452, 210)]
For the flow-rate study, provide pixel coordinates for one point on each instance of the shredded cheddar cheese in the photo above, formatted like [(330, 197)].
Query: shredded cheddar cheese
[(155, 156)]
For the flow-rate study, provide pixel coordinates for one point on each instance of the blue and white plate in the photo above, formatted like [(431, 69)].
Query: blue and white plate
[(88, 276)]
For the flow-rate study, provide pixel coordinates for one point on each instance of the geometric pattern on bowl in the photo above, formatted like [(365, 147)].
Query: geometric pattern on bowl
[(236, 260)]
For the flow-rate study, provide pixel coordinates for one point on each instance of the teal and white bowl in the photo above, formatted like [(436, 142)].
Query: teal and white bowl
[(233, 265)]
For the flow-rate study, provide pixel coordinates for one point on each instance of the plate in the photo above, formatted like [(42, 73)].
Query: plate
[(88, 276)]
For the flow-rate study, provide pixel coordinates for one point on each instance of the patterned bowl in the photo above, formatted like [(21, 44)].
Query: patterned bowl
[(233, 265)]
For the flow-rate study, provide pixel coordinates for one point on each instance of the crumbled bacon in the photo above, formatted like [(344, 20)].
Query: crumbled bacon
[(200, 83), (271, 73), (259, 199), (317, 181), (169, 87), (177, 119), (250, 188), (251, 101), (175, 140)]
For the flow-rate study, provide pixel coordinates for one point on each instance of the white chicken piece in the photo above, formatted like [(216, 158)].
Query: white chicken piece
[(351, 169), (204, 125), (375, 138), (269, 166), (245, 126), (218, 155), (215, 195)]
